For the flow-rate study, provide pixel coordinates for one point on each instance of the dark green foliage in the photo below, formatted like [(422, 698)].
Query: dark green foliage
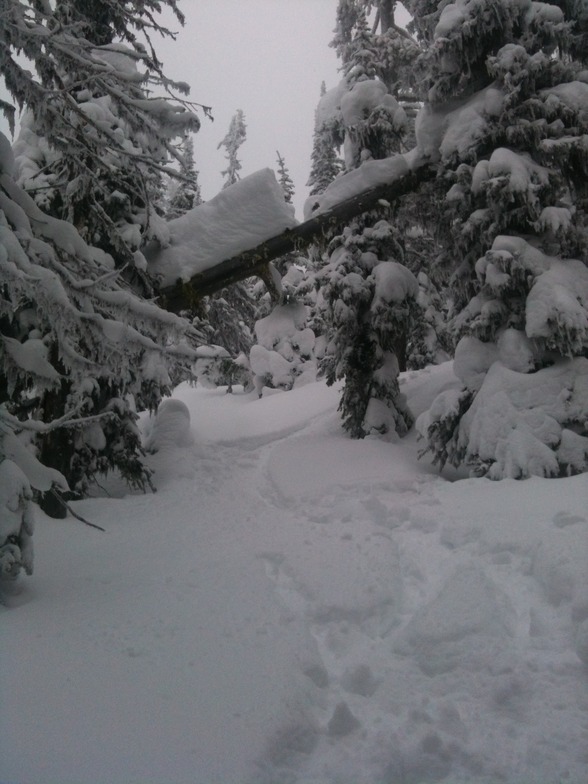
[(507, 80)]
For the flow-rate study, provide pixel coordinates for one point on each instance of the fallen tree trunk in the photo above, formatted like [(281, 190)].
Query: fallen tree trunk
[(184, 295)]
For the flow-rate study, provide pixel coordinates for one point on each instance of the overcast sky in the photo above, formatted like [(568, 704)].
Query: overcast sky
[(266, 57)]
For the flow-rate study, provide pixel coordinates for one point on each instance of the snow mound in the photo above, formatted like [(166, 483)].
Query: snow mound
[(170, 427)]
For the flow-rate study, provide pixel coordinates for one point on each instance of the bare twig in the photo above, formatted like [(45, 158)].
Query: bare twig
[(62, 500)]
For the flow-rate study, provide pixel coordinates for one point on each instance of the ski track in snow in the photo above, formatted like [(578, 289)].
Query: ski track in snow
[(296, 608)]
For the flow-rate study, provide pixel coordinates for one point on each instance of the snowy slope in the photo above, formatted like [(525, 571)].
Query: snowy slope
[(292, 606)]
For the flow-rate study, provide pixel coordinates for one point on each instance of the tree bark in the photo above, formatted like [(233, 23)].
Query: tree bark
[(185, 295), (386, 14)]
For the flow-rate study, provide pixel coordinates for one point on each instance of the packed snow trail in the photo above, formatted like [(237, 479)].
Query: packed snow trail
[(294, 607)]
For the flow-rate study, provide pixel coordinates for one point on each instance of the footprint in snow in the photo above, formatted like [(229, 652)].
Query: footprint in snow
[(563, 519)]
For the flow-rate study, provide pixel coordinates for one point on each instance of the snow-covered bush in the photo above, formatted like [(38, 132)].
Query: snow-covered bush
[(283, 356), (215, 367), (515, 424), (507, 121), (20, 474)]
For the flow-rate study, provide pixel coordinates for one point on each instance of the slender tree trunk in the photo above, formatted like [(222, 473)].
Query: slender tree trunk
[(386, 14)]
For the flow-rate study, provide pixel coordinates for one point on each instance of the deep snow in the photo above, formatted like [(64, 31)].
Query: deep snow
[(293, 606)]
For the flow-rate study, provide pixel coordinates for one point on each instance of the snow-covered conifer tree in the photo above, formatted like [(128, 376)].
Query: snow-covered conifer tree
[(507, 120), (65, 318), (370, 298), (185, 192), (347, 17), (92, 145), (284, 178), (326, 164), (231, 313), (232, 141), (325, 161), (93, 139)]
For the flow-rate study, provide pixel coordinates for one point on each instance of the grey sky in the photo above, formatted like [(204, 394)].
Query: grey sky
[(266, 57)]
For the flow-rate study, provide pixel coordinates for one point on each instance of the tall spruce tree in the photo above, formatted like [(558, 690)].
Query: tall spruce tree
[(231, 313), (185, 193), (325, 162), (507, 119), (235, 137), (370, 297), (284, 178), (91, 148)]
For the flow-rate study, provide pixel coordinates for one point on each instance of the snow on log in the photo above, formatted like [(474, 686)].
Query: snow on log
[(340, 203), (239, 218), (369, 175)]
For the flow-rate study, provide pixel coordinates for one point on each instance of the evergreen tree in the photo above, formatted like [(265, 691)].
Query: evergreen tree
[(66, 318), (370, 298), (91, 149), (284, 179), (233, 140), (325, 162), (360, 56), (93, 140), (186, 193), (507, 89), (230, 314), (347, 15)]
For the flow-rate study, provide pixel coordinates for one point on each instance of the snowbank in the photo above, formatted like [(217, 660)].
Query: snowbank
[(238, 219)]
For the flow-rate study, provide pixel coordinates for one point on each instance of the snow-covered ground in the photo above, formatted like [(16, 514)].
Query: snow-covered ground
[(295, 607)]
